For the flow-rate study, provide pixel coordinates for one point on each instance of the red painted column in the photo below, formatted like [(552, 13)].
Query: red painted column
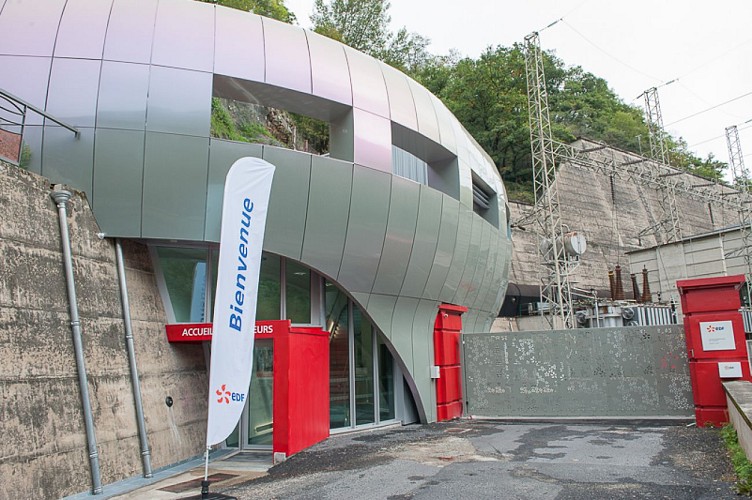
[(446, 352), (716, 343)]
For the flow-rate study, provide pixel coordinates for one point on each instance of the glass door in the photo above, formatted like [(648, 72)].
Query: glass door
[(260, 416)]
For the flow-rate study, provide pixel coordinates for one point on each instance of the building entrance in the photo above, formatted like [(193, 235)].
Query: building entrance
[(258, 416)]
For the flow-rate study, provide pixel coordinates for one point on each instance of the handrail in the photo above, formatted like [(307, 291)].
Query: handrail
[(30, 106)]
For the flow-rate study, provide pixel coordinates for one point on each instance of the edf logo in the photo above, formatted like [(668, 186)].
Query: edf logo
[(714, 328), (226, 396)]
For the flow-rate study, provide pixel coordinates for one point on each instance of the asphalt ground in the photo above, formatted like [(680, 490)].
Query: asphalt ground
[(482, 459)]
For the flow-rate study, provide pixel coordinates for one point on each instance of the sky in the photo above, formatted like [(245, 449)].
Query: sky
[(704, 45)]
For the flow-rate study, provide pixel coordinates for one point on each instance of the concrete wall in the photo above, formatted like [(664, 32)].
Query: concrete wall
[(604, 372), (611, 221), (739, 401), (43, 445)]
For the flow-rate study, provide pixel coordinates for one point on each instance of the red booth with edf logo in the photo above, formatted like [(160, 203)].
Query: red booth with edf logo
[(716, 342)]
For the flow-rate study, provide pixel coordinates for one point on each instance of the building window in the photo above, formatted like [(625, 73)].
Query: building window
[(485, 201), (269, 299), (409, 166), (184, 272), (297, 293)]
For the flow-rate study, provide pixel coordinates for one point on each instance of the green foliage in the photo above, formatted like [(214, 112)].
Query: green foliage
[(364, 25), (275, 9), (742, 466), (489, 97), (313, 132), (25, 160), (223, 126)]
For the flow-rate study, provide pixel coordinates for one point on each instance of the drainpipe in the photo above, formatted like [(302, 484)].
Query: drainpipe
[(61, 197), (142, 436)]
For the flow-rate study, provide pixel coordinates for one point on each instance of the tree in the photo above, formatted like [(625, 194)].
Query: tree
[(364, 26), (275, 9)]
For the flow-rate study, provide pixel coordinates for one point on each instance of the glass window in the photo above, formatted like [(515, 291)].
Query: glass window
[(363, 343), (184, 271), (409, 166), (339, 356), (297, 293), (386, 383), (268, 307)]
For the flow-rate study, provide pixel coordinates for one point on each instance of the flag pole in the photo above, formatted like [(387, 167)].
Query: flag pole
[(205, 482)]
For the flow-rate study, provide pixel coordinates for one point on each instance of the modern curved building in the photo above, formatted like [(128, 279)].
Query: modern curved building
[(406, 212)]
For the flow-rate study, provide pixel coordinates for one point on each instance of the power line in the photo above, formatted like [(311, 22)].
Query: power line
[(596, 46), (709, 109), (720, 136)]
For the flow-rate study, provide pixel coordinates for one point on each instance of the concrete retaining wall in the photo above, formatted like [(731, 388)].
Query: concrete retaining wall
[(602, 372), (43, 446), (739, 401)]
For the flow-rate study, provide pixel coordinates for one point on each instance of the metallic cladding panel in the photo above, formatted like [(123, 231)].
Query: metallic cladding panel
[(482, 266), (401, 337), (75, 40), (400, 233), (380, 308), (427, 122), (27, 78), (118, 181), (222, 154), (445, 118), (366, 228), (72, 94), (466, 184), (328, 207), (459, 257), (372, 140), (369, 89), (423, 359), (329, 71), (498, 277), (361, 299), (288, 204), (184, 35), (29, 27), (402, 329), (174, 199), (239, 45), (488, 270), (288, 63), (130, 31), (450, 213), (123, 89), (471, 263), (179, 101), (401, 104), (470, 320), (68, 160), (424, 243)]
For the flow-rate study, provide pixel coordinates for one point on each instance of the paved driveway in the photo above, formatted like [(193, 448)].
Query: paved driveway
[(480, 459)]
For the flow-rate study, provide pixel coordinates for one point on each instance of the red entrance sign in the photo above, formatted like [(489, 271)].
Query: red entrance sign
[(202, 332)]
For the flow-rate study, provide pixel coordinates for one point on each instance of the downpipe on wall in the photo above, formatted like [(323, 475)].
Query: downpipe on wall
[(61, 197), (142, 436)]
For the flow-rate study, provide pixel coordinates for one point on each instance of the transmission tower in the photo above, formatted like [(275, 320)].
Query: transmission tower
[(670, 229), (554, 264), (742, 182)]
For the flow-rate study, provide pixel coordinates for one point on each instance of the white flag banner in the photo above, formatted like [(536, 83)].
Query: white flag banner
[(246, 201)]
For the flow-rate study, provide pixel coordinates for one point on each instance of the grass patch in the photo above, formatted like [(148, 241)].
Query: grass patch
[(742, 466)]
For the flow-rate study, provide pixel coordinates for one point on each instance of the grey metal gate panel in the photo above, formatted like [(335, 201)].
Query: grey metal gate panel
[(614, 372)]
